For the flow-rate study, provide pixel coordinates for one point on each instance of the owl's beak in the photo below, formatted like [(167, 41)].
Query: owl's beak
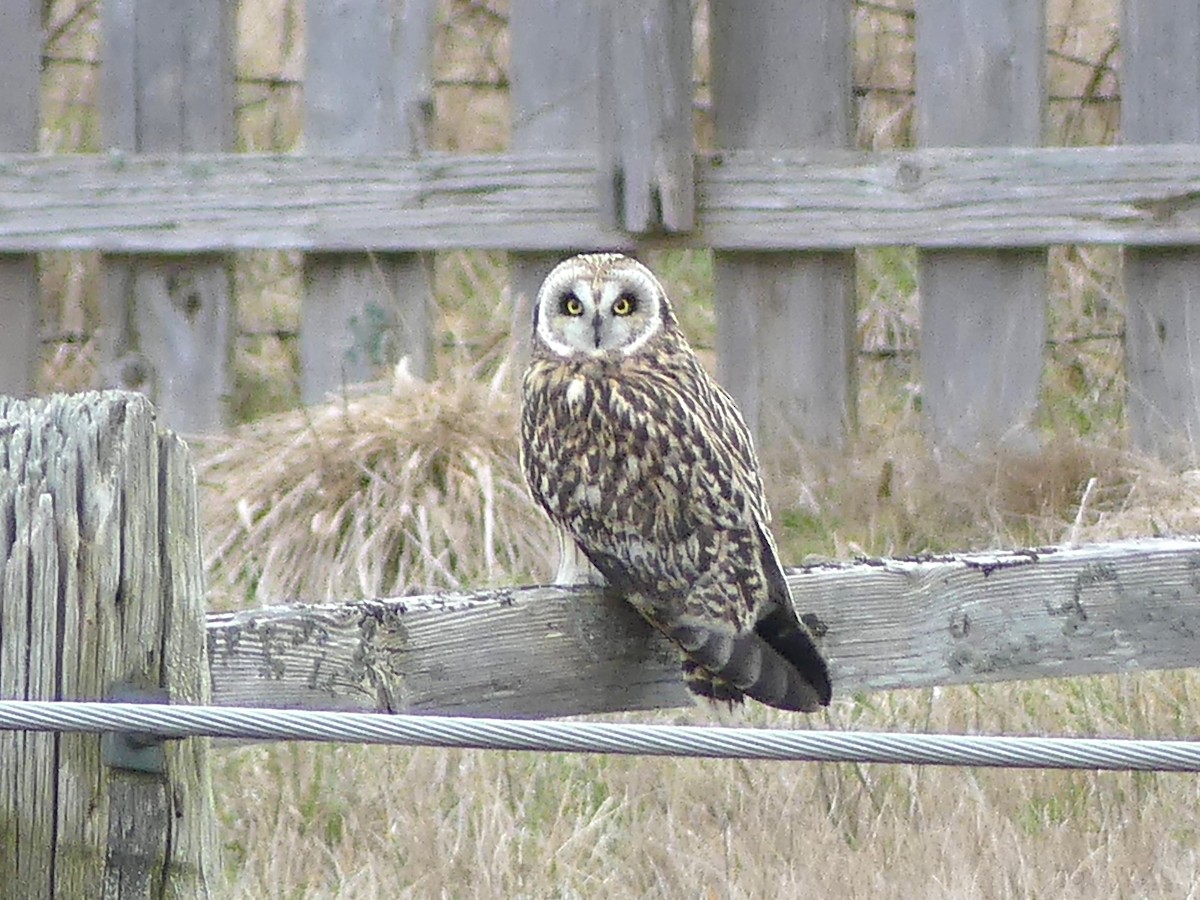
[(597, 324)]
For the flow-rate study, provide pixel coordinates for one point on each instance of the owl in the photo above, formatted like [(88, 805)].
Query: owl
[(647, 467)]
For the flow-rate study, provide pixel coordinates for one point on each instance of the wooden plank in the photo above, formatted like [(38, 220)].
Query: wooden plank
[(367, 90), (101, 586), (785, 322), (1051, 612), (20, 74), (1161, 102), (936, 197), (168, 88), (980, 76), (167, 334), (555, 108), (646, 169)]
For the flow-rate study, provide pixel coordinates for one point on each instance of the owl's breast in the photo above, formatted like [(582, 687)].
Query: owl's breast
[(603, 454)]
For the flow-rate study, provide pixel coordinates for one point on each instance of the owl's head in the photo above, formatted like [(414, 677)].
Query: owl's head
[(600, 303)]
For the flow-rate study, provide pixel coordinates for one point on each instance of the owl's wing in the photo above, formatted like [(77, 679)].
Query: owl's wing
[(729, 423), (537, 426), (777, 623)]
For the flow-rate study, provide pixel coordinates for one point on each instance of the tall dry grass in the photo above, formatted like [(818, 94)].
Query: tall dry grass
[(381, 492), (410, 489), (370, 822)]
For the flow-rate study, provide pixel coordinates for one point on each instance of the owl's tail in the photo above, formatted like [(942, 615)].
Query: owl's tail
[(777, 663)]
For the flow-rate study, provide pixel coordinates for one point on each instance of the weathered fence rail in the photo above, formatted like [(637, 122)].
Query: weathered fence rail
[(748, 200), (887, 623)]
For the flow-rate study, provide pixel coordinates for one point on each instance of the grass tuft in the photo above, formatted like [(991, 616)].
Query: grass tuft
[(411, 490)]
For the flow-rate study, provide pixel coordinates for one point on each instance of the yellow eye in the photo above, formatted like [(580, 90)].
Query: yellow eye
[(624, 306), (571, 305)]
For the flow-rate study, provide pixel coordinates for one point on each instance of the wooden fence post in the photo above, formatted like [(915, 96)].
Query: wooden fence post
[(647, 166), (367, 90), (20, 74), (1160, 103), (785, 321), (101, 592), (168, 88), (980, 74), (554, 107)]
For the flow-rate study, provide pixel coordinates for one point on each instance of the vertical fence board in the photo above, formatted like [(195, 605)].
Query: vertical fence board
[(102, 585), (20, 73), (980, 75), (647, 166), (1161, 104), (785, 321), (366, 91), (554, 107), (168, 87)]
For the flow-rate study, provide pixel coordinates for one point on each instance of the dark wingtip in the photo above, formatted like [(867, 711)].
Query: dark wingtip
[(791, 641), (776, 664)]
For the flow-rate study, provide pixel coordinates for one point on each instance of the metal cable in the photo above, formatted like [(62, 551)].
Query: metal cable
[(599, 737)]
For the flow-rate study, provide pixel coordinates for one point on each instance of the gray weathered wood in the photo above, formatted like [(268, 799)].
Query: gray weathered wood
[(555, 107), (367, 90), (20, 76), (646, 171), (1161, 102), (785, 322), (980, 81), (101, 585), (938, 197), (168, 334), (168, 88), (1122, 607)]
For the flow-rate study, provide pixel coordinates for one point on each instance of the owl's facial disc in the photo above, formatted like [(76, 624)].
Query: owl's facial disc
[(595, 310)]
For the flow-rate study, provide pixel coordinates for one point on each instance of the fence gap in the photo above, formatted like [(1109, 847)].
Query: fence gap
[(168, 87), (101, 590), (367, 90), (552, 81), (20, 74), (1160, 103), (980, 76), (785, 321)]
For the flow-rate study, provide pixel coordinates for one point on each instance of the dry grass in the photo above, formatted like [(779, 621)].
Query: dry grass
[(376, 494), (370, 822), (415, 487)]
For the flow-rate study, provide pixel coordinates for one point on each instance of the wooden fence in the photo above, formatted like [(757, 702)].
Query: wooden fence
[(603, 155)]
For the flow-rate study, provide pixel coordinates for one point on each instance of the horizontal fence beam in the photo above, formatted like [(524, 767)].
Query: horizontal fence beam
[(944, 197), (544, 651)]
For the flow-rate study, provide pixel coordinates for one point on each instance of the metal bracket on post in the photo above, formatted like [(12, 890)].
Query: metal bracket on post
[(135, 751)]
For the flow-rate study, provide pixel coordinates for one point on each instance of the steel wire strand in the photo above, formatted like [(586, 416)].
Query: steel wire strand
[(600, 737)]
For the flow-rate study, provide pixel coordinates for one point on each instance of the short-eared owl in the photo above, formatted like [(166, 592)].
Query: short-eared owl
[(646, 464)]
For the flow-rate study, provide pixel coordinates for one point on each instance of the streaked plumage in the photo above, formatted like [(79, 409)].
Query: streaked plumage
[(646, 464)]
